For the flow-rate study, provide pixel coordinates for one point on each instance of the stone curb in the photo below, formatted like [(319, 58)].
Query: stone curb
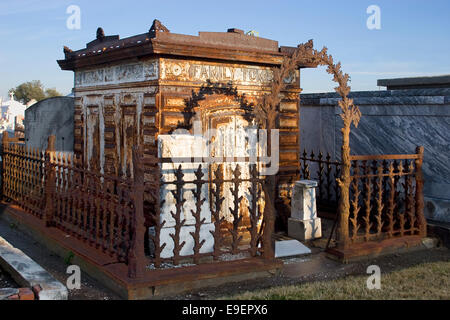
[(7, 293), (17, 294), (37, 282)]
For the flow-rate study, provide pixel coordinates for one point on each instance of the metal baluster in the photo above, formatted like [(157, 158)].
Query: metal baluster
[(198, 182), (179, 202)]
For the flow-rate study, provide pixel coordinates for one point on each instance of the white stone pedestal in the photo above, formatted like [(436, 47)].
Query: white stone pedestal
[(303, 223)]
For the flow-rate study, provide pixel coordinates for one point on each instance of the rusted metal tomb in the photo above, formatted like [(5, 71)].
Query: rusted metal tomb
[(129, 92), (145, 219)]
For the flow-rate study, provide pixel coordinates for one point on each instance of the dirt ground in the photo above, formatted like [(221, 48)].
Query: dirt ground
[(55, 265), (6, 281), (296, 270), (426, 281), (387, 264)]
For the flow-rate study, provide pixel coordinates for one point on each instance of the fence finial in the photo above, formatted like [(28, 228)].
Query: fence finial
[(419, 150)]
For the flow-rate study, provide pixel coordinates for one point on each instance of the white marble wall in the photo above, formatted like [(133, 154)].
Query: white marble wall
[(176, 146)]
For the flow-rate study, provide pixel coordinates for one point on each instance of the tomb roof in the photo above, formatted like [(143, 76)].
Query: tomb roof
[(442, 81), (233, 45)]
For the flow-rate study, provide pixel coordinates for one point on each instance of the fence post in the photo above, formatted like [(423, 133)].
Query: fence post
[(5, 140), (5, 143), (136, 254), (419, 193), (49, 181), (268, 240)]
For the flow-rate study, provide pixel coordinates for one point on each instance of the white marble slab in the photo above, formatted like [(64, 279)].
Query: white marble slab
[(288, 248), (28, 273)]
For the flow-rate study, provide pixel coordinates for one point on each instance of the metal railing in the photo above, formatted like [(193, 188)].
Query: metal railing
[(325, 170), (108, 213), (386, 197), (385, 193)]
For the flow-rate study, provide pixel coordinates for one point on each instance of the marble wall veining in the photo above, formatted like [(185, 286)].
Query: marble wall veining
[(393, 122)]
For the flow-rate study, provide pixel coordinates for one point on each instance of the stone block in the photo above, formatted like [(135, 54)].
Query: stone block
[(288, 248), (32, 274), (430, 243), (304, 229), (303, 202), (5, 293)]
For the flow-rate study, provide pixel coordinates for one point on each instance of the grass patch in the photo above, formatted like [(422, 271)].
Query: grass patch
[(424, 281), (69, 257)]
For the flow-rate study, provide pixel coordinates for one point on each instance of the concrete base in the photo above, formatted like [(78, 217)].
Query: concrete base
[(365, 251), (304, 229)]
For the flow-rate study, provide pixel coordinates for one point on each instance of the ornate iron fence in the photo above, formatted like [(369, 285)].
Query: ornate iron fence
[(199, 213), (95, 208), (386, 197), (325, 171), (107, 212), (200, 219), (23, 177), (385, 194)]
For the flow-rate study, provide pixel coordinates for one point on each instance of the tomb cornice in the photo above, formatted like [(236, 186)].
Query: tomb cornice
[(174, 45)]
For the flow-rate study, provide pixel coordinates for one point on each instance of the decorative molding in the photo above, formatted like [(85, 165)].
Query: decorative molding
[(123, 73), (198, 71)]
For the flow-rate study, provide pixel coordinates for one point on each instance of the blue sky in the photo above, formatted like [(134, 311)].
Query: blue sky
[(414, 39)]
